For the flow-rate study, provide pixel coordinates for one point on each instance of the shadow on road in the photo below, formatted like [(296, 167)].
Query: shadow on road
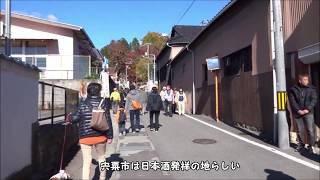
[(309, 155), (277, 175), (112, 158)]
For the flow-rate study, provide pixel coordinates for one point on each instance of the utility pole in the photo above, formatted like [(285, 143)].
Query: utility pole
[(283, 132), (154, 69), (7, 34), (148, 46)]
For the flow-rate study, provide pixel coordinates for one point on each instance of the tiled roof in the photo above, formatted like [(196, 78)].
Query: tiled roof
[(19, 62), (184, 33)]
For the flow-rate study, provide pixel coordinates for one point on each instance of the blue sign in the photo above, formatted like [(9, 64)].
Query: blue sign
[(213, 63)]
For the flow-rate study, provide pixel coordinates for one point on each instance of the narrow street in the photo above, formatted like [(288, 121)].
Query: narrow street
[(231, 154)]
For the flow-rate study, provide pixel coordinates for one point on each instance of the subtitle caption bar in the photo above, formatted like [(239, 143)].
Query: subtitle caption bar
[(168, 166)]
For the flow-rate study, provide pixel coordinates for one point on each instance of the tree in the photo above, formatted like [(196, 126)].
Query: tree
[(134, 45), (157, 42), (125, 43), (141, 69), (117, 52)]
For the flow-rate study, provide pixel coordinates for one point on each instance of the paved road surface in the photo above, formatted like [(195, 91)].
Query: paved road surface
[(174, 142)]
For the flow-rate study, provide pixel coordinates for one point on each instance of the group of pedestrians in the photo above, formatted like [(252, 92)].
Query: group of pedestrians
[(302, 97), (173, 100)]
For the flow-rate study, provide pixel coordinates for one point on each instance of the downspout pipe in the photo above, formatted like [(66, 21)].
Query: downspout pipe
[(193, 81)]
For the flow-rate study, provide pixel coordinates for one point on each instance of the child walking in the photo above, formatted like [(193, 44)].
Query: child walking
[(121, 118)]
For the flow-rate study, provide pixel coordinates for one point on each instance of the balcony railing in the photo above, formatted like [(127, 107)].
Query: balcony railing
[(60, 66)]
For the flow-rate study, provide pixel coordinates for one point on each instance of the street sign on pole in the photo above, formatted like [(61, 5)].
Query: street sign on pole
[(214, 66), (213, 63)]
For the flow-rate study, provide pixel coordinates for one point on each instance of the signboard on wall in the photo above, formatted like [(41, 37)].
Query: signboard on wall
[(213, 63)]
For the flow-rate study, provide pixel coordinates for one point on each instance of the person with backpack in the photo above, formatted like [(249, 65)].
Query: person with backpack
[(154, 106), (181, 101), (91, 136), (121, 119), (133, 107)]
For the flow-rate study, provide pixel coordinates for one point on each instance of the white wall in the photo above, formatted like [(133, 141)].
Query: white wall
[(63, 60), (18, 105), (22, 29)]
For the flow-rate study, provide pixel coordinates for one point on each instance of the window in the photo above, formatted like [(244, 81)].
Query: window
[(36, 47), (30, 60), (41, 63), (237, 62), (16, 47)]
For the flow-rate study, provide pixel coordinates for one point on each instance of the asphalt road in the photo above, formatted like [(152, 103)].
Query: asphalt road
[(175, 142)]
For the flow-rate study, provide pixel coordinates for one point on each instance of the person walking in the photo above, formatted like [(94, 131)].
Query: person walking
[(133, 106), (154, 106), (162, 94), (303, 98), (144, 99), (89, 138), (104, 77), (168, 96), (82, 91), (174, 104), (122, 97), (181, 101), (115, 98), (121, 119)]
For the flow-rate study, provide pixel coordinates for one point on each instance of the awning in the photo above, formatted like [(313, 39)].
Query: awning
[(310, 54)]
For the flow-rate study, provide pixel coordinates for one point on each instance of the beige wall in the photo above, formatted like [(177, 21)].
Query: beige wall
[(175, 51), (19, 98)]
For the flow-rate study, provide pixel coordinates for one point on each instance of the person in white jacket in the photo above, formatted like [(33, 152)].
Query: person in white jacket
[(181, 100), (162, 94)]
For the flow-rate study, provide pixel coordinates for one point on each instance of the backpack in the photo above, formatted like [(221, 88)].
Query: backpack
[(136, 105), (122, 117), (98, 121)]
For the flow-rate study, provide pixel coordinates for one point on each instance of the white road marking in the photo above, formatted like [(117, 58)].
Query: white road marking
[(308, 164)]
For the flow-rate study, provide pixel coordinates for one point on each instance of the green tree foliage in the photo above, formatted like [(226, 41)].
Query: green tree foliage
[(134, 45), (141, 69), (157, 41)]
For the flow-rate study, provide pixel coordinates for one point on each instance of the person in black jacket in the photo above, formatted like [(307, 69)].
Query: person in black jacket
[(88, 137), (303, 98), (154, 106)]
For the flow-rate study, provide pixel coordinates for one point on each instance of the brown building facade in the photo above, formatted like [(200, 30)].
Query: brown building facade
[(240, 35)]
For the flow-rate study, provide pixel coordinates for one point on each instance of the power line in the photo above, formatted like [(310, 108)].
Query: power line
[(185, 12)]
